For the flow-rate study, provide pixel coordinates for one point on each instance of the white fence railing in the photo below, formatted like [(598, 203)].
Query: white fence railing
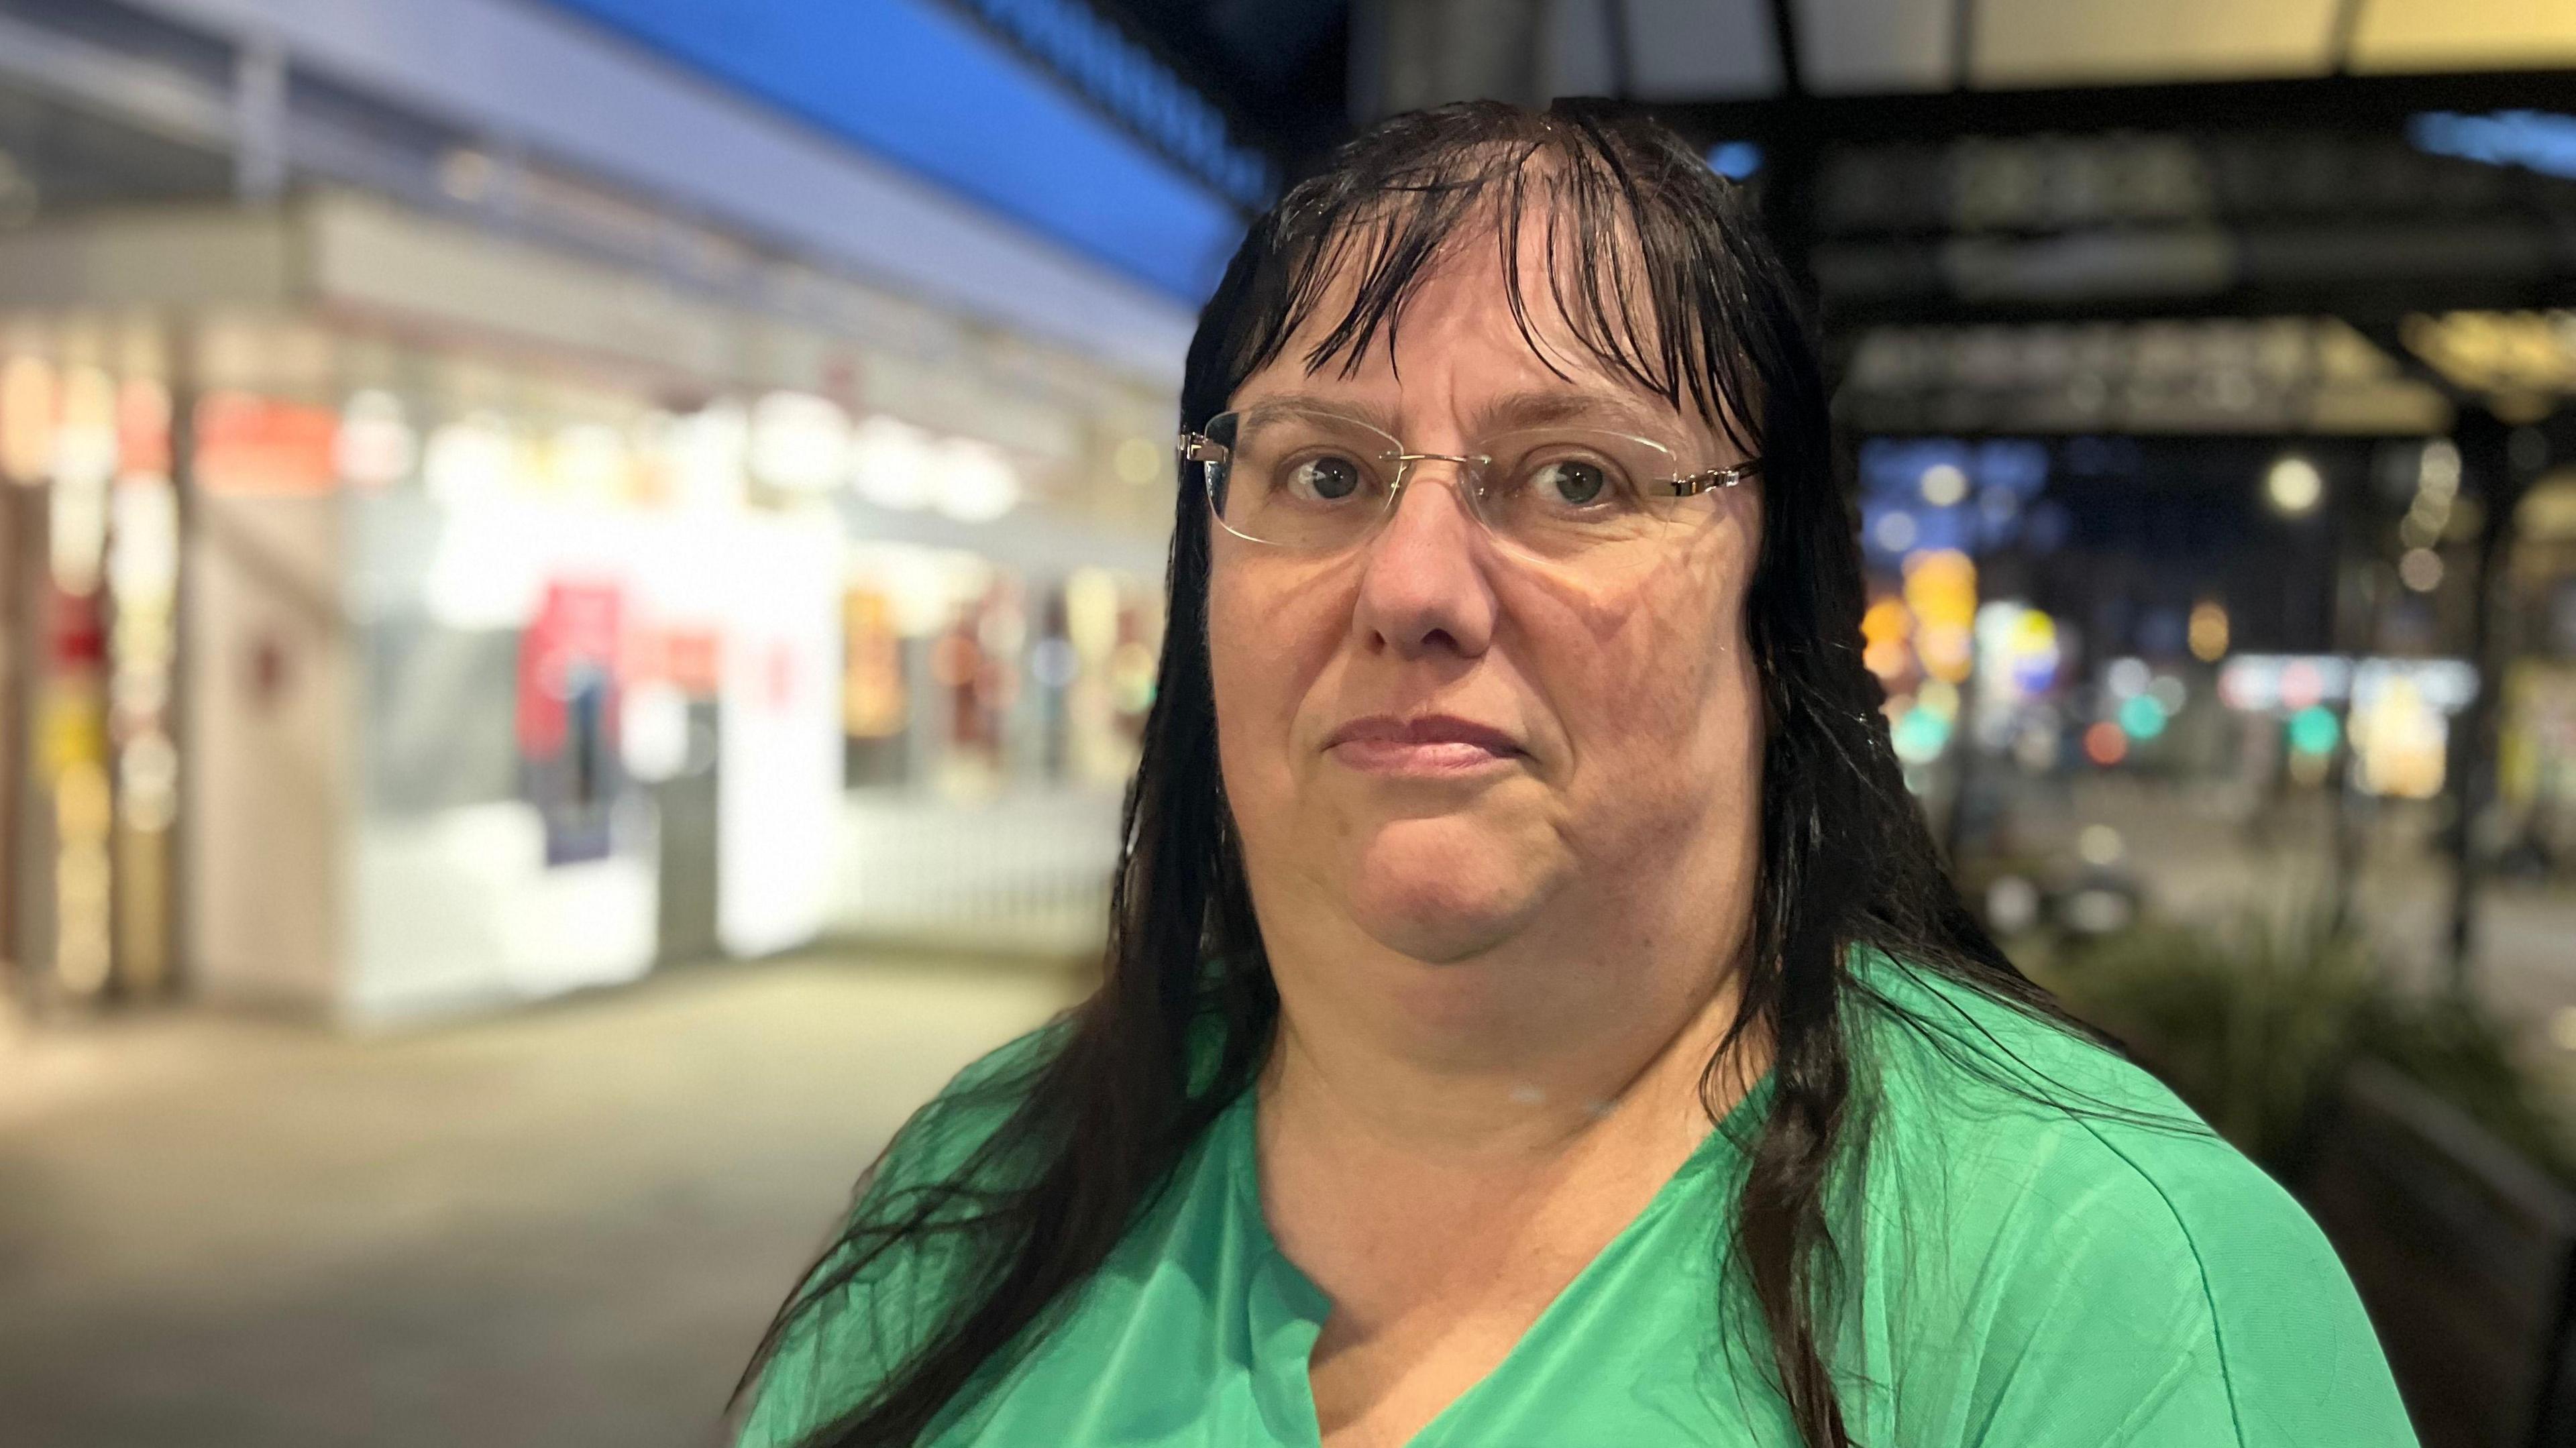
[(1021, 873)]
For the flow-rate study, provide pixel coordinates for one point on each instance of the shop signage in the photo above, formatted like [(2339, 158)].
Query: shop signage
[(253, 446), (567, 716)]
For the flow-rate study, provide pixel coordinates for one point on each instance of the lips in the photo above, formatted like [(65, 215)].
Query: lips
[(1429, 729)]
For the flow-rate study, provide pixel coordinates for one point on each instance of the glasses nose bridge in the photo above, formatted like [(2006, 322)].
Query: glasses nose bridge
[(1470, 463), (1471, 476), (1471, 484)]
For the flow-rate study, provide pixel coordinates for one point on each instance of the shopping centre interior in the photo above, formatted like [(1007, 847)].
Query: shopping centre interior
[(538, 536)]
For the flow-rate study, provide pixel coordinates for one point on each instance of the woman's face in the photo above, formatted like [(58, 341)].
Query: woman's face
[(1618, 786)]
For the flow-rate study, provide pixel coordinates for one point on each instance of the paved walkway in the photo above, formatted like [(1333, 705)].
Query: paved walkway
[(565, 1227)]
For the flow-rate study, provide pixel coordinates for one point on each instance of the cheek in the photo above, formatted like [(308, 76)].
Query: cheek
[(1242, 714), (1686, 725), (1686, 691), (1266, 640)]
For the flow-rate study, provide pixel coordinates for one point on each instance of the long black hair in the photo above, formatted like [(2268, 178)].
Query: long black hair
[(1661, 270)]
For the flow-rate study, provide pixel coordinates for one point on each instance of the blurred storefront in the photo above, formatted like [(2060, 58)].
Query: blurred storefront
[(2536, 775), (485, 511), (422, 620), (88, 515)]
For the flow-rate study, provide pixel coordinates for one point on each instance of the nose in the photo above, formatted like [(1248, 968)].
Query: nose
[(1423, 586)]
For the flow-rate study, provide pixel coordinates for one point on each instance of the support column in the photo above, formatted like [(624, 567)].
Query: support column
[(2490, 472)]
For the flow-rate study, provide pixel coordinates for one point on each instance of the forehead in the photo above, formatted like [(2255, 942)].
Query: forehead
[(1473, 320)]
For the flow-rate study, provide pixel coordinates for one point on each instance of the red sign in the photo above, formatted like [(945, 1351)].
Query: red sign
[(570, 645)]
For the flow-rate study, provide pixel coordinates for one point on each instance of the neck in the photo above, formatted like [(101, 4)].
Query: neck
[(1520, 1057)]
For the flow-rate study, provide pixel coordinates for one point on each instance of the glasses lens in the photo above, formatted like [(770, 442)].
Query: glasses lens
[(1299, 479), (1569, 492)]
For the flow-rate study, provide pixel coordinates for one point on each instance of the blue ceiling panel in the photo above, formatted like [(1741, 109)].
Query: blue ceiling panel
[(926, 88)]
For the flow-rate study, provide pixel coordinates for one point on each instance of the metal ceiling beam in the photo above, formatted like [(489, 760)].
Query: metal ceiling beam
[(2340, 30), (2378, 302), (1784, 38), (2339, 102), (1623, 67)]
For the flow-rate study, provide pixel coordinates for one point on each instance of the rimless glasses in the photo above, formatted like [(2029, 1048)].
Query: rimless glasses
[(1312, 480)]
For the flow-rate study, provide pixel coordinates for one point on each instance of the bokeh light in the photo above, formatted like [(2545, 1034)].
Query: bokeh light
[(2294, 486), (1941, 590), (2106, 743), (2209, 631), (2420, 569), (2314, 730), (1921, 735)]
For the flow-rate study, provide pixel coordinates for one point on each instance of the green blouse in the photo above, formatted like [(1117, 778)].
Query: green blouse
[(2016, 1275)]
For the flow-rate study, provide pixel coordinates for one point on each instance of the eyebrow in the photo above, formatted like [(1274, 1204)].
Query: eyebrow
[(1513, 410), (1377, 417), (1547, 408)]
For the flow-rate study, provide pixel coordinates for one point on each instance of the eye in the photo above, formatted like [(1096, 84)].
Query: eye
[(1572, 481), (1325, 477)]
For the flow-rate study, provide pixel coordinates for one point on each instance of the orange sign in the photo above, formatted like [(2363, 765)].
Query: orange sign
[(258, 446)]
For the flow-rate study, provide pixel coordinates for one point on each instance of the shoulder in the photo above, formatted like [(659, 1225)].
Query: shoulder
[(2032, 1119), (2068, 1204), (944, 1137), (883, 1289), (2038, 1102)]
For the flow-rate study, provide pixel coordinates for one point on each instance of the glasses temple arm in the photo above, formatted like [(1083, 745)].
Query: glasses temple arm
[(1694, 484)]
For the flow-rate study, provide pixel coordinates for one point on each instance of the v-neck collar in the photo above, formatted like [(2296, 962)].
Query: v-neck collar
[(1286, 1310)]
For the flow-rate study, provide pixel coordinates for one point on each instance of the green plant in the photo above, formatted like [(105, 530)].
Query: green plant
[(2461, 1054), (2254, 1022)]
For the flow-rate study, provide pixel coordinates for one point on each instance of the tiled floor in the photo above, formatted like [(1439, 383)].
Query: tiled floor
[(563, 1227)]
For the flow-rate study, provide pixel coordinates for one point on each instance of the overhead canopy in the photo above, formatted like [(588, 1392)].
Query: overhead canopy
[(1732, 49), (422, 100)]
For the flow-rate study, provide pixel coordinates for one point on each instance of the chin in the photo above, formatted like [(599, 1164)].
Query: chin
[(1438, 890)]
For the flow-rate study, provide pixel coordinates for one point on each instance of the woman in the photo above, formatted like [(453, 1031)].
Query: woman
[(1535, 1012)]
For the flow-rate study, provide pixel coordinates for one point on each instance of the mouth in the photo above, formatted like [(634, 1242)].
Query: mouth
[(1432, 745)]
